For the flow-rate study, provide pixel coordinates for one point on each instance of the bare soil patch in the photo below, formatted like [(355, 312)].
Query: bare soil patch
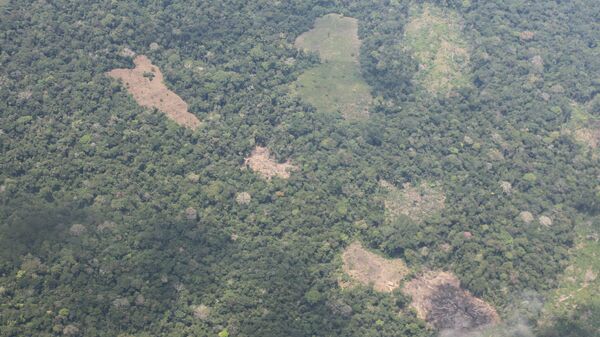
[(146, 84), (260, 161), (526, 35), (588, 136), (369, 268), (415, 202), (438, 298)]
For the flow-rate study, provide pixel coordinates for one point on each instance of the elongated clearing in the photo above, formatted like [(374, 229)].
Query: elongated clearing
[(145, 84), (436, 41), (336, 85)]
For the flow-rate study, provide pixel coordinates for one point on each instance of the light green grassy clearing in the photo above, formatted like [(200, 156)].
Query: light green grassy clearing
[(335, 85), (435, 40), (580, 283)]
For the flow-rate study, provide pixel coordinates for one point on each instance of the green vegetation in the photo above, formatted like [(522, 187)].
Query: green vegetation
[(580, 283), (336, 85), (116, 222), (435, 39)]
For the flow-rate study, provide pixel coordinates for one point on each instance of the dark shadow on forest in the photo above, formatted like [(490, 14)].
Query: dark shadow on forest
[(27, 221)]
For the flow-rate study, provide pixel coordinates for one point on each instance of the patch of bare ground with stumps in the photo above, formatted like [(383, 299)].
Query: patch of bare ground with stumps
[(415, 202), (260, 161), (146, 84), (436, 295), (369, 268), (438, 299), (588, 136)]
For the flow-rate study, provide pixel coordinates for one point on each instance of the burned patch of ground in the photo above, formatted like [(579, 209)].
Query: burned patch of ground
[(145, 84), (438, 298), (417, 202), (369, 268), (260, 161)]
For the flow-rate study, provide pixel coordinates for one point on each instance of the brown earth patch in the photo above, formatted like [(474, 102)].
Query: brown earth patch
[(438, 298), (371, 269), (146, 84), (260, 161), (526, 35), (415, 202), (588, 136)]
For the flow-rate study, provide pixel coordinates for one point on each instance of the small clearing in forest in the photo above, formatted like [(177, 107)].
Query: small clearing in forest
[(369, 268), (260, 161), (588, 136), (145, 83), (336, 85), (416, 203), (583, 127), (438, 298), (435, 40)]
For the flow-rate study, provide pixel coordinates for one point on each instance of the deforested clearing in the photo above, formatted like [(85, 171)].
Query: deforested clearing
[(579, 285), (415, 202), (260, 161), (336, 85), (369, 268), (334, 37), (583, 126), (438, 298), (435, 40), (588, 136), (146, 84)]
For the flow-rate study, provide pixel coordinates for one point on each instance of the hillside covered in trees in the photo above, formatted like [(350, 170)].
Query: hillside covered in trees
[(300, 168)]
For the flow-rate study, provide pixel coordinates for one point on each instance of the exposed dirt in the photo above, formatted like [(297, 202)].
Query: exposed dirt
[(438, 298), (145, 84), (415, 202), (588, 136), (260, 161), (526, 35), (545, 221), (369, 268)]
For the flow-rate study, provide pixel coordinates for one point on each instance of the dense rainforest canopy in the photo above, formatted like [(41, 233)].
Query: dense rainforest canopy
[(117, 221)]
